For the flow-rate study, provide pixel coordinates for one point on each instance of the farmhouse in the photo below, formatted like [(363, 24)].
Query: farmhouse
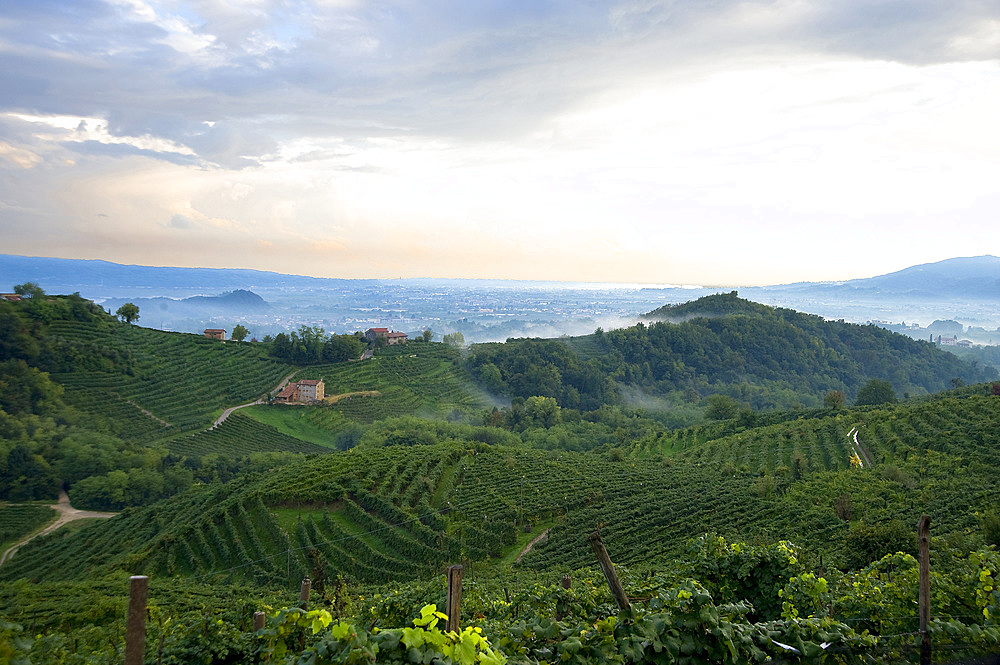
[(12, 297), (390, 337), (307, 390), (215, 333)]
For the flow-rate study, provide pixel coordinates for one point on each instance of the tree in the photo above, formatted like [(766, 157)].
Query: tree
[(834, 399), (427, 335), (240, 332), (29, 290), (128, 312), (876, 391), (541, 411), (454, 339), (721, 407)]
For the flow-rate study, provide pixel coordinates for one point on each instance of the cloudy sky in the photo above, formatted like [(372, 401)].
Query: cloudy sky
[(685, 141)]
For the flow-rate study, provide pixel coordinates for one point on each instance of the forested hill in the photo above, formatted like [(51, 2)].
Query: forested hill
[(762, 356)]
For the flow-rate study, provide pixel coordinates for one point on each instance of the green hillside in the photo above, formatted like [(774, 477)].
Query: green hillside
[(762, 356), (402, 511), (172, 381), (410, 468)]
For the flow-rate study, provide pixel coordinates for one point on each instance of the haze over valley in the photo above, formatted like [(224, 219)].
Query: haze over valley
[(966, 291)]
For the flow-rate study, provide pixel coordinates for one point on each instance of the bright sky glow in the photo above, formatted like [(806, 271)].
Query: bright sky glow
[(634, 141)]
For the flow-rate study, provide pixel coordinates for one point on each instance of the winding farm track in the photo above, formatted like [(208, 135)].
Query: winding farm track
[(260, 400), (67, 513)]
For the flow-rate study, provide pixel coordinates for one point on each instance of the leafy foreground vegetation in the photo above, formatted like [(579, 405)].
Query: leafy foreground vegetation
[(721, 603)]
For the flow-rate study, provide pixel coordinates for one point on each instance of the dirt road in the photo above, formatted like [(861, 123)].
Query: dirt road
[(67, 513)]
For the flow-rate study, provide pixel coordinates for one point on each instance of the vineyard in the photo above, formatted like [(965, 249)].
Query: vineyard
[(238, 436), (422, 379), (409, 468), (19, 520), (400, 511), (173, 382)]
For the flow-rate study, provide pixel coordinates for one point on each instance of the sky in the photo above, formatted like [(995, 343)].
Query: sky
[(683, 142)]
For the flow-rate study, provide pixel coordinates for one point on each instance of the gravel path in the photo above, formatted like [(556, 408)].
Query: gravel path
[(67, 513), (225, 414)]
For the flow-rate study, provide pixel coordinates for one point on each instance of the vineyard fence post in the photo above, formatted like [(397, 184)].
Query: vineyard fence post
[(617, 590), (135, 627), (453, 606), (304, 594), (924, 534), (259, 618)]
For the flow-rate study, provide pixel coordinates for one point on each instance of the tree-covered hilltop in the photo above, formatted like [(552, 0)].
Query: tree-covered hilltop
[(763, 357)]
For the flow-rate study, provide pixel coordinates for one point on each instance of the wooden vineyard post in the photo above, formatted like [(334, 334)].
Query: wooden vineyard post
[(259, 618), (617, 590), (304, 594), (924, 535), (453, 606), (135, 627)]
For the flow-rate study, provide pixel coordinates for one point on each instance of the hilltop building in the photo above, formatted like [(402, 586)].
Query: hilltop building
[(384, 333), (215, 333), (307, 390)]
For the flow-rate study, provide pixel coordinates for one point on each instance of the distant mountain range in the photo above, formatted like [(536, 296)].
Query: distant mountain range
[(970, 277), (188, 299), (69, 275)]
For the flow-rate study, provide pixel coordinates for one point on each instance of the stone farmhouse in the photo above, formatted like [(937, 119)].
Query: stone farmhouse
[(390, 337), (215, 333), (307, 390)]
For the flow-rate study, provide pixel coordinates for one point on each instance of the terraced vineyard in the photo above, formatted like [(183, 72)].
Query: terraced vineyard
[(368, 516), (239, 436), (402, 512), (18, 520), (424, 379), (177, 381)]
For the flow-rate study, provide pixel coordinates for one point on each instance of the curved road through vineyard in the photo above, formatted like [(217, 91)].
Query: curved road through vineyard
[(67, 513)]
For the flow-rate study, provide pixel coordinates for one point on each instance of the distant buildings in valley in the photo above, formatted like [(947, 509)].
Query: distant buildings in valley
[(944, 333)]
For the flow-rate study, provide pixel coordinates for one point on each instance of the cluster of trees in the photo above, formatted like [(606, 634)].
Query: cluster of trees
[(310, 345), (759, 356)]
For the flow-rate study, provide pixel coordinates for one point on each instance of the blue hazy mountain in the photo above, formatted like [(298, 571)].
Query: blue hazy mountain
[(972, 277)]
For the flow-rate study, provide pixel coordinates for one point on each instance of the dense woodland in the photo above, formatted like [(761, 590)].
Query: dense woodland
[(756, 474), (761, 356)]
